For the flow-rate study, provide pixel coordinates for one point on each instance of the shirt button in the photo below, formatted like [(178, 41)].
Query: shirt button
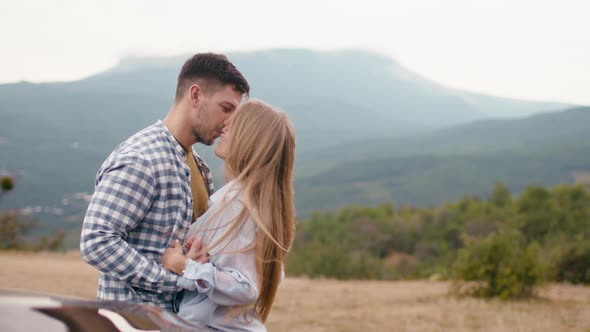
[(187, 174)]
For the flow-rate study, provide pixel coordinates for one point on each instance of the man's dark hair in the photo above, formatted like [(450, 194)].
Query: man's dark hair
[(211, 67)]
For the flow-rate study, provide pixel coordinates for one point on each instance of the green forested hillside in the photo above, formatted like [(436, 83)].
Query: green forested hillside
[(430, 169), (470, 238), (568, 126), (432, 179)]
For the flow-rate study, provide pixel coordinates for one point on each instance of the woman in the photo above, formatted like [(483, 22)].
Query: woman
[(247, 231)]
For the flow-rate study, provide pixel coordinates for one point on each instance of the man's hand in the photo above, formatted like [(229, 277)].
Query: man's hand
[(195, 250), (174, 259)]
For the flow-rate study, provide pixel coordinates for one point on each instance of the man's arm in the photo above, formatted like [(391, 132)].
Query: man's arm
[(122, 197)]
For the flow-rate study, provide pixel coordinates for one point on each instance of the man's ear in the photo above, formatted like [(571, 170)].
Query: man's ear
[(194, 94)]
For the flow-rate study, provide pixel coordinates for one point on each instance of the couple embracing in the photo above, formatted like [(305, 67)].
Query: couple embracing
[(159, 233)]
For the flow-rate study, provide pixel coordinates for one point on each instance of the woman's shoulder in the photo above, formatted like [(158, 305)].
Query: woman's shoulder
[(225, 204), (229, 191)]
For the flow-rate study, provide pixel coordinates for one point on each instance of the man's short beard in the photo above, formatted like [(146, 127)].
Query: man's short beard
[(202, 141)]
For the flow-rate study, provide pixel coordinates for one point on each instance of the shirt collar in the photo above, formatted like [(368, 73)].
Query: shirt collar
[(177, 147)]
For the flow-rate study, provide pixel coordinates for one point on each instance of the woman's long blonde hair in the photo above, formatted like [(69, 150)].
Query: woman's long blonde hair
[(261, 158)]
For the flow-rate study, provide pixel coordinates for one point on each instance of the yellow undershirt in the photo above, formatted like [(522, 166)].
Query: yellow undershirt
[(198, 188)]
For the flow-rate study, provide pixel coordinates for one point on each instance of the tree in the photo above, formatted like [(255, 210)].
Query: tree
[(536, 213), (14, 228), (500, 195), (6, 184)]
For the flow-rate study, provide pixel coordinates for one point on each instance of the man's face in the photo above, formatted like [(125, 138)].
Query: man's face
[(212, 113), (222, 149)]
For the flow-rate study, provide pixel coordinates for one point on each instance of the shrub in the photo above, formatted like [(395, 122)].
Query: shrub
[(14, 230), (573, 263), (333, 261), (498, 266)]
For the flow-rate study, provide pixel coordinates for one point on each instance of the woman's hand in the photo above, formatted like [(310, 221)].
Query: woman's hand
[(195, 251), (174, 259)]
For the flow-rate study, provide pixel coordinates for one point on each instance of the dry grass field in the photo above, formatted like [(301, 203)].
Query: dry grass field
[(328, 305)]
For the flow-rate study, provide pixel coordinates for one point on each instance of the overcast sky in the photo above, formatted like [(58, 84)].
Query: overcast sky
[(531, 49)]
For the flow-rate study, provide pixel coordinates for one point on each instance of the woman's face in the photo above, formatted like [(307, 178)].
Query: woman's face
[(222, 148)]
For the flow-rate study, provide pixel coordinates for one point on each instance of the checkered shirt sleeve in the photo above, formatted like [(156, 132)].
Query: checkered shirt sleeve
[(124, 193)]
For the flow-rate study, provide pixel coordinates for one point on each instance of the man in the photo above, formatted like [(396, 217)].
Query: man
[(154, 185)]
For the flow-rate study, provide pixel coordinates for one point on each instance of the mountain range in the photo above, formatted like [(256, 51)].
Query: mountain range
[(368, 130)]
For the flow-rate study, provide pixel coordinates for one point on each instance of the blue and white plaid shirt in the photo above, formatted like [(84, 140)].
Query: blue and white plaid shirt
[(141, 204)]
